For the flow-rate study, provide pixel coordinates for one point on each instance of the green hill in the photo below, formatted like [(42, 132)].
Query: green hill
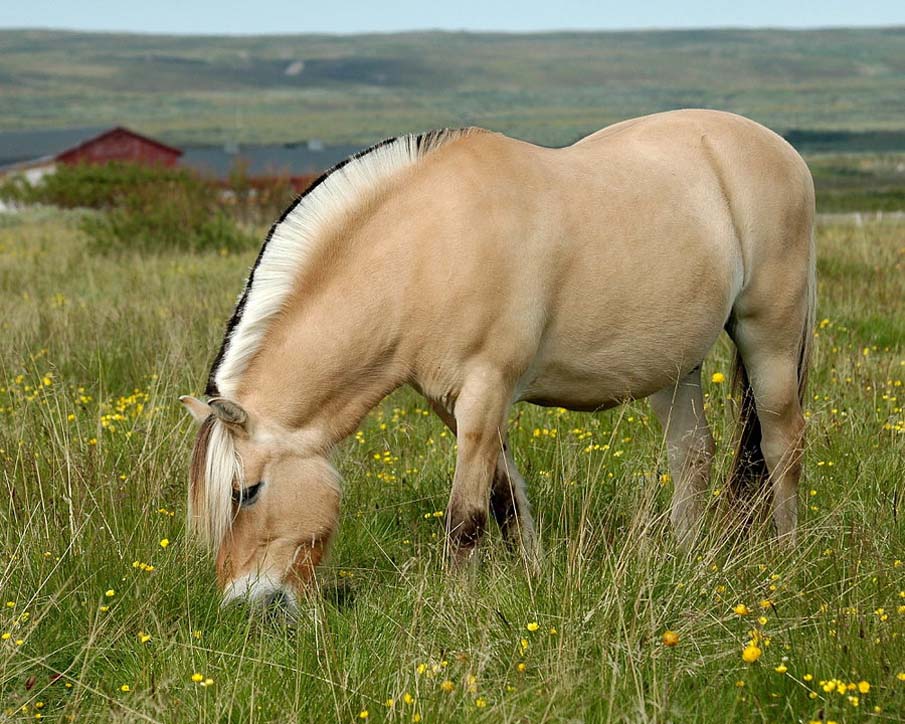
[(550, 88)]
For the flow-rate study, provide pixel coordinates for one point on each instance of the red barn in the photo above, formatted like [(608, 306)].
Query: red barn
[(36, 153), (121, 144)]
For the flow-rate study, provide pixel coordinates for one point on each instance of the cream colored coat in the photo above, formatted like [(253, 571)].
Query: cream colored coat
[(490, 271)]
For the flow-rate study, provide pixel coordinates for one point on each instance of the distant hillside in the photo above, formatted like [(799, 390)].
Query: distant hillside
[(550, 88)]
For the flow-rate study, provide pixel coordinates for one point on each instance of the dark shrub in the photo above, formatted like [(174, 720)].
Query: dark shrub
[(141, 207)]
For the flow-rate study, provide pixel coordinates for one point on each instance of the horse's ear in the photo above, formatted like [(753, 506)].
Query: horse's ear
[(228, 412), (199, 410)]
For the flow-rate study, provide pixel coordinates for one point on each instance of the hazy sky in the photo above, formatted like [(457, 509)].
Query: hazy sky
[(346, 16)]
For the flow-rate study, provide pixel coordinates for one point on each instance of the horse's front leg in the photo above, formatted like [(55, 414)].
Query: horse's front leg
[(480, 415), (508, 499)]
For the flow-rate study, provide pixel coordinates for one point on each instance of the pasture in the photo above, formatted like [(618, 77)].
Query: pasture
[(108, 612), (551, 88)]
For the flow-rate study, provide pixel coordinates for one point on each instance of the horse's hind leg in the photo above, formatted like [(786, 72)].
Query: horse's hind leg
[(690, 449), (770, 353)]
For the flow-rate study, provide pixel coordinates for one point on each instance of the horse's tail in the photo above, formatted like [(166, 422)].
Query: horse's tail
[(748, 473)]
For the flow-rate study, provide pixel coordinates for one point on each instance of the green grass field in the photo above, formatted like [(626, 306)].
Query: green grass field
[(108, 613), (550, 88)]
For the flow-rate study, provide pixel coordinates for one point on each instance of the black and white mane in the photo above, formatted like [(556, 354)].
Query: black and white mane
[(293, 237)]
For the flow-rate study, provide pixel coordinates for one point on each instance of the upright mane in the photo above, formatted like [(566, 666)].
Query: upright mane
[(293, 238)]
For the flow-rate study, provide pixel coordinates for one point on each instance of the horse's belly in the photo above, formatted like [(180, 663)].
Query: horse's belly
[(634, 314), (597, 382), (596, 363)]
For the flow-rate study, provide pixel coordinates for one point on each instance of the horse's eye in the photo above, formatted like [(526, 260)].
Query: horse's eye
[(246, 496)]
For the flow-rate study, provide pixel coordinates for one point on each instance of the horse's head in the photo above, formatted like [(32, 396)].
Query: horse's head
[(266, 509)]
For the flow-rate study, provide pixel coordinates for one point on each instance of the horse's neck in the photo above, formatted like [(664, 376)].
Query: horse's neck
[(328, 360)]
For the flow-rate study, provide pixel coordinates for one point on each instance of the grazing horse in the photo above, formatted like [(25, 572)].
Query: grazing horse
[(483, 271)]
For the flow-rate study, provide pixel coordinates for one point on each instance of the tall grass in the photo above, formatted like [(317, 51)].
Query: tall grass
[(94, 450)]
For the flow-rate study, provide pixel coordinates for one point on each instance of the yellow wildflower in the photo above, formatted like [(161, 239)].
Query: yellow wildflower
[(533, 626), (718, 378), (751, 653), (110, 593), (781, 669), (480, 702), (164, 542), (447, 686), (363, 714), (670, 638), (124, 688), (197, 678), (741, 610)]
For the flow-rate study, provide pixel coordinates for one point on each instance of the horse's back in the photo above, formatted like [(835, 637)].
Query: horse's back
[(670, 218), (654, 253), (607, 269)]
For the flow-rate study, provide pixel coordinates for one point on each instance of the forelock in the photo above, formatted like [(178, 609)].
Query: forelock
[(215, 467)]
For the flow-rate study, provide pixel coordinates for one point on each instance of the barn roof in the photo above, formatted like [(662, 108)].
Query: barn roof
[(19, 146), (121, 129)]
